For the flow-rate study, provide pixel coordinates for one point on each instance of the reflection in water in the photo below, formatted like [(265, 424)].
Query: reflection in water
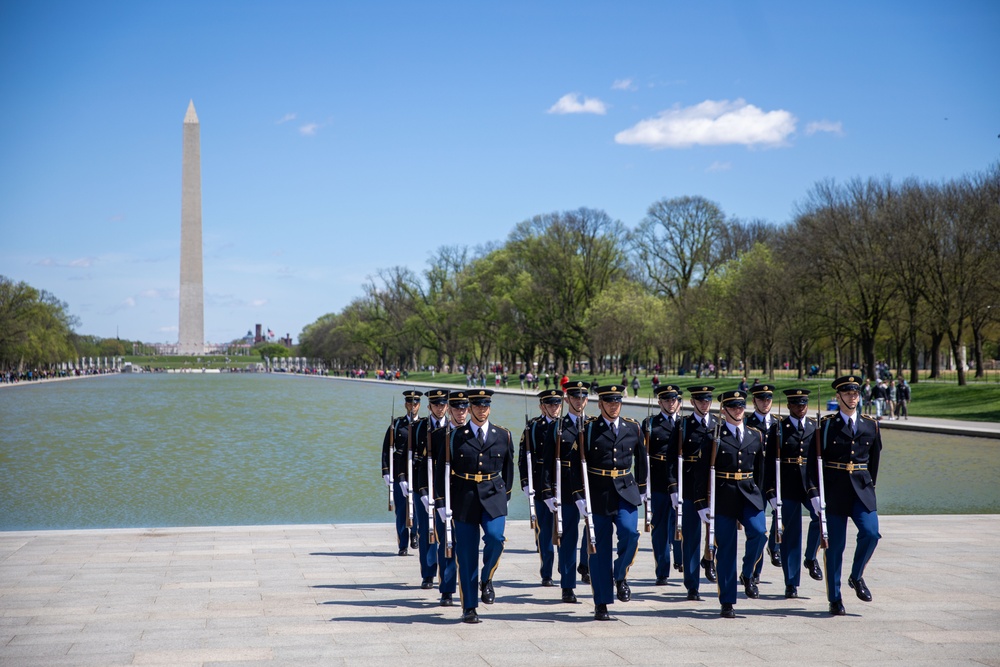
[(191, 449)]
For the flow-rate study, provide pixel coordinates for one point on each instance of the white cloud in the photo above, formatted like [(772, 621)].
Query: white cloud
[(719, 166), (81, 263), (286, 118), (624, 84), (570, 103), (825, 126), (711, 123), (129, 302), (309, 129)]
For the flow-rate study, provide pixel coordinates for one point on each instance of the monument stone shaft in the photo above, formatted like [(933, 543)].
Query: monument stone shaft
[(191, 328)]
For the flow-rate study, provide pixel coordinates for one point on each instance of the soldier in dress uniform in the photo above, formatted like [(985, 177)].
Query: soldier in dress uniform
[(851, 445), (692, 438), (612, 445), (762, 420), (739, 476), (790, 444), (533, 441), (659, 429), (565, 432), (398, 438), (482, 472), (456, 415), (437, 400)]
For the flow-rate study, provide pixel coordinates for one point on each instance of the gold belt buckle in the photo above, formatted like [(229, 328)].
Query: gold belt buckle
[(479, 478), (799, 461), (850, 467)]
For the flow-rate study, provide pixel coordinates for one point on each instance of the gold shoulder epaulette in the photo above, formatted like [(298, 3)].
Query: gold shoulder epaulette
[(629, 419), (831, 416), (870, 418)]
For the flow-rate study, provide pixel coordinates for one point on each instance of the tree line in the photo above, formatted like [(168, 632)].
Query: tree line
[(866, 271)]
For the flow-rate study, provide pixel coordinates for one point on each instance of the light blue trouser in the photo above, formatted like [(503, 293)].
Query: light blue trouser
[(446, 565), (603, 572), (664, 522), (568, 545), (755, 527), (543, 537), (868, 536), (399, 505), (467, 554), (791, 540), (691, 546), (428, 551)]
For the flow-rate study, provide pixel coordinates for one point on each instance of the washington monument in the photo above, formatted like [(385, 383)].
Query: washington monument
[(191, 329)]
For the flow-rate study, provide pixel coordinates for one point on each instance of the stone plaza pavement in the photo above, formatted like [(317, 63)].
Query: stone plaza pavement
[(331, 595)]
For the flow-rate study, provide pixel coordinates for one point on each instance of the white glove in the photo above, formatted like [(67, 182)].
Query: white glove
[(704, 515), (404, 487), (551, 504), (674, 500), (444, 517), (388, 480), (815, 504), (426, 502), (581, 504), (527, 495), (642, 497), (774, 503)]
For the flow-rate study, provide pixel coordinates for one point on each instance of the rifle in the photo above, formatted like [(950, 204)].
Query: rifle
[(392, 448), (679, 532), (710, 537), (824, 539), (409, 471), (557, 527), (778, 529), (432, 529), (589, 515), (648, 503), (532, 518), (448, 544)]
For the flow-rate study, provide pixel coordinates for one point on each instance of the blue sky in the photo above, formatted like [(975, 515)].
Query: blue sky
[(339, 138)]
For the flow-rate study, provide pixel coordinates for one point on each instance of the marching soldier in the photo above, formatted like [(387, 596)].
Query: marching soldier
[(532, 441), (482, 471), (437, 400), (564, 434), (692, 439), (457, 413), (398, 438), (660, 429), (762, 420), (612, 445), (790, 444), (851, 446), (739, 475)]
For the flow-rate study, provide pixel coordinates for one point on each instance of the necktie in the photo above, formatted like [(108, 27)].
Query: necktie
[(614, 428), (802, 428), (482, 436), (739, 436)]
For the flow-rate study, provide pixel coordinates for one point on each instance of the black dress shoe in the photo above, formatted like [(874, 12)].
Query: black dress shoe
[(812, 567), (791, 592), (693, 596), (837, 608), (601, 613), (727, 611), (749, 587), (775, 557), (547, 581), (488, 595), (569, 596), (859, 587), (403, 552), (709, 569), (446, 600), (678, 567), (414, 543), (584, 573), (470, 616), (427, 583), (756, 580), (661, 581), (624, 592)]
